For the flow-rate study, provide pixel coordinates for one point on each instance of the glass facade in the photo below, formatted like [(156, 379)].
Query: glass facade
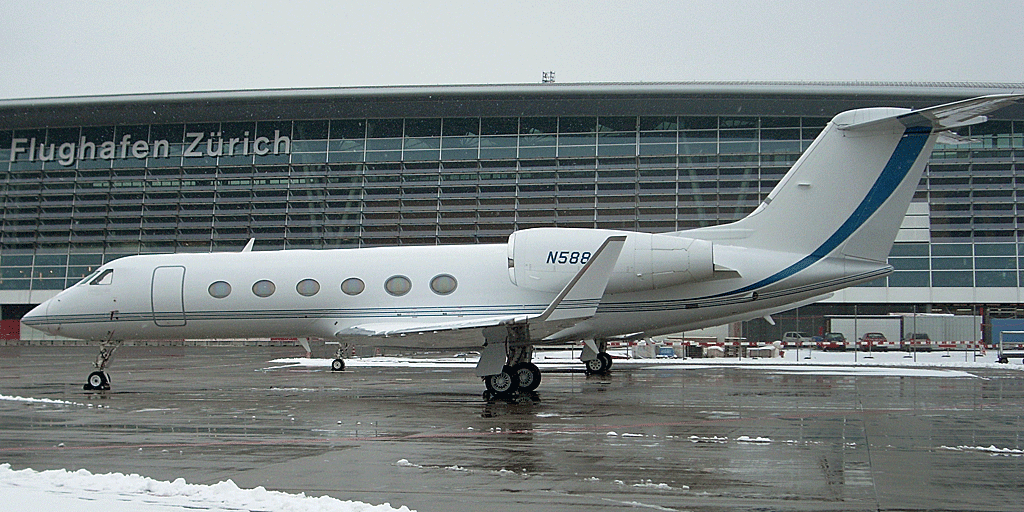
[(74, 198)]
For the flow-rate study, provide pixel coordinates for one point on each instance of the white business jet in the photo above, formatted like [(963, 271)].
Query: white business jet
[(829, 224)]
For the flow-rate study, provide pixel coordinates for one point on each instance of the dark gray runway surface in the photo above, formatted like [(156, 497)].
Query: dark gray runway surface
[(660, 439)]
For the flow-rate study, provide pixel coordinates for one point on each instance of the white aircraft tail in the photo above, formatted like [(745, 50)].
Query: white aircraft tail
[(849, 192)]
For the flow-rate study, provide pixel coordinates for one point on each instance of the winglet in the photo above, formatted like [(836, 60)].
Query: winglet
[(248, 246), (580, 298)]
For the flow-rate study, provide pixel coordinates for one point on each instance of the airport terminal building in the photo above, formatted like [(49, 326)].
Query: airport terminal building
[(86, 180)]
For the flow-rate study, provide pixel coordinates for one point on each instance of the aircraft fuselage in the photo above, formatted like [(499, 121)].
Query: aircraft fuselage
[(227, 295)]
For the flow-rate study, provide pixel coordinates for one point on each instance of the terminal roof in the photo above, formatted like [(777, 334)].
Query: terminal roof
[(546, 99)]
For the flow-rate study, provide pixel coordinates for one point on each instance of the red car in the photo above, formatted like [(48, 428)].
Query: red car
[(874, 341)]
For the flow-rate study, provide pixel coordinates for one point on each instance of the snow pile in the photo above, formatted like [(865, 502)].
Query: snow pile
[(61, 490)]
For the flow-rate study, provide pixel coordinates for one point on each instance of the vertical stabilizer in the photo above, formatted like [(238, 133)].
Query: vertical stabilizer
[(848, 193)]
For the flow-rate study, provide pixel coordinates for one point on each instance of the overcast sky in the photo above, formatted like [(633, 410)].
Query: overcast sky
[(67, 48)]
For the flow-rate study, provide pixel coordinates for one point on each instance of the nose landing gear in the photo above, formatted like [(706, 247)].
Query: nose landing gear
[(338, 364), (99, 380)]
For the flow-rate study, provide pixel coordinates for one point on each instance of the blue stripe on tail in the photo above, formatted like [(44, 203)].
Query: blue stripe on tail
[(895, 171)]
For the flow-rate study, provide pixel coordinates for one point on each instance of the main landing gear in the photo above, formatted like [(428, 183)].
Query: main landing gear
[(505, 363), (519, 375), (595, 357), (99, 380)]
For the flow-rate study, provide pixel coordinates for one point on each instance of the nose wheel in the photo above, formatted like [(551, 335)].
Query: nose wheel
[(338, 364), (97, 381)]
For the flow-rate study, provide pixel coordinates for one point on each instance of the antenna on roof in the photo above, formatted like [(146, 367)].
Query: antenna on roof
[(547, 77)]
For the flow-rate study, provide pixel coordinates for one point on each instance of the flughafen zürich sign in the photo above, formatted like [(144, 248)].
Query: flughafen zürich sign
[(196, 144)]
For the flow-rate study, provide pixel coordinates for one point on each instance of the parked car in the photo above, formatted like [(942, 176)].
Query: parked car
[(796, 339), (916, 341), (874, 341), (833, 341)]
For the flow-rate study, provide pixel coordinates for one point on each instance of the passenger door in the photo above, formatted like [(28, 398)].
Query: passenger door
[(167, 296)]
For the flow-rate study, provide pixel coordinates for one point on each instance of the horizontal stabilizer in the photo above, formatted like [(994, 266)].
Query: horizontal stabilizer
[(944, 117), (951, 139)]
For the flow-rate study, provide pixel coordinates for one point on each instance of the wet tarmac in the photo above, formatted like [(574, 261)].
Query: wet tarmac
[(702, 439)]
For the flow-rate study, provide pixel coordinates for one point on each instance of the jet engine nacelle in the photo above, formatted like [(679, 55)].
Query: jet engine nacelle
[(547, 258)]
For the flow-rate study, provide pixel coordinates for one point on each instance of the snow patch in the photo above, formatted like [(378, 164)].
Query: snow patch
[(711, 439), (509, 472), (649, 484), (992, 450), (891, 364), (753, 440), (48, 401), (637, 504)]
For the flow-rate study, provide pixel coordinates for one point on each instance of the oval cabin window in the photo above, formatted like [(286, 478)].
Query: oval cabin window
[(308, 287), (220, 289), (398, 285), (443, 284), (353, 286), (263, 288)]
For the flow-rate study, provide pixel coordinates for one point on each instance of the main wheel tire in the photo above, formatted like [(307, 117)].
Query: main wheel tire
[(337, 365), (97, 381), (599, 365), (504, 383), (529, 376), (594, 366)]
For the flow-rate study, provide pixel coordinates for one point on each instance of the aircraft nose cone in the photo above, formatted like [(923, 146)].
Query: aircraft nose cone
[(39, 318)]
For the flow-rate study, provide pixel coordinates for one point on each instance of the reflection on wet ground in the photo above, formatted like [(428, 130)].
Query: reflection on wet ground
[(666, 439)]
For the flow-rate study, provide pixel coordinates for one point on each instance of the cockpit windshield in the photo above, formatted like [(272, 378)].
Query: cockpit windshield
[(104, 277), (87, 278)]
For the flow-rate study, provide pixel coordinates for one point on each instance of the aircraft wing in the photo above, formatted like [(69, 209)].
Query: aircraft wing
[(397, 328), (577, 300)]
